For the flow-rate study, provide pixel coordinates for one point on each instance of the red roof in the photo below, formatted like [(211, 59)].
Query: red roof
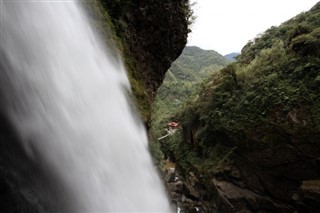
[(173, 124)]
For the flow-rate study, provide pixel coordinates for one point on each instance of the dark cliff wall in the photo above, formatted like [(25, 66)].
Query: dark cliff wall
[(153, 34)]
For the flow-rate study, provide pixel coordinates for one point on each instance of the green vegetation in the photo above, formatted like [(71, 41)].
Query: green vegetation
[(262, 111), (270, 93), (180, 87), (103, 23)]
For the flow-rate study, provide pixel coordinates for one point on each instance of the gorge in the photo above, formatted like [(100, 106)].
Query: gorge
[(249, 134), (72, 141)]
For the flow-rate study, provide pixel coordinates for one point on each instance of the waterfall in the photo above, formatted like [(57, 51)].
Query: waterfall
[(65, 94)]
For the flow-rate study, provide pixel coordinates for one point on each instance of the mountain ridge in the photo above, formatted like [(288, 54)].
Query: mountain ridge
[(232, 56)]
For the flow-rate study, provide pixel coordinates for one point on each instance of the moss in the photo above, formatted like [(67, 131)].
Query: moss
[(156, 152), (150, 42), (141, 97), (103, 24), (315, 110), (136, 29)]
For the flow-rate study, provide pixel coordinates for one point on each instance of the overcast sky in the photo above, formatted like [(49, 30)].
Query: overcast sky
[(227, 25)]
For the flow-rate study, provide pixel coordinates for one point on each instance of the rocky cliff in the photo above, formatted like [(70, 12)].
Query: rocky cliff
[(152, 35), (251, 141)]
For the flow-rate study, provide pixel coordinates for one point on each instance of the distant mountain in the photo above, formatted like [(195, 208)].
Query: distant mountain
[(232, 56), (182, 79), (194, 64)]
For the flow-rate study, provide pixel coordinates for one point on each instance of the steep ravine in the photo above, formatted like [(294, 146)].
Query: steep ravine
[(251, 141)]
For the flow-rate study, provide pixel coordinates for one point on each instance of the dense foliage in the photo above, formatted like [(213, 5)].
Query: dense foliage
[(262, 110), (272, 91), (181, 85)]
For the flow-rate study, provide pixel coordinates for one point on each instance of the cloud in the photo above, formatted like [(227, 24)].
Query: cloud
[(227, 25)]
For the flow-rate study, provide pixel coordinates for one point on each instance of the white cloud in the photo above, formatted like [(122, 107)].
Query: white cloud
[(227, 25)]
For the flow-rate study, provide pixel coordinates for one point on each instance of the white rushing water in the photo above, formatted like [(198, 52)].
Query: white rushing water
[(67, 99)]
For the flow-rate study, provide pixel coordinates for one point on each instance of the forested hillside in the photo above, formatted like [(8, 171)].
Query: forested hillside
[(250, 139), (182, 83)]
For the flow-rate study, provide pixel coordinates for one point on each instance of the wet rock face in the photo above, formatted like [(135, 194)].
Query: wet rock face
[(160, 31), (153, 34), (188, 194)]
